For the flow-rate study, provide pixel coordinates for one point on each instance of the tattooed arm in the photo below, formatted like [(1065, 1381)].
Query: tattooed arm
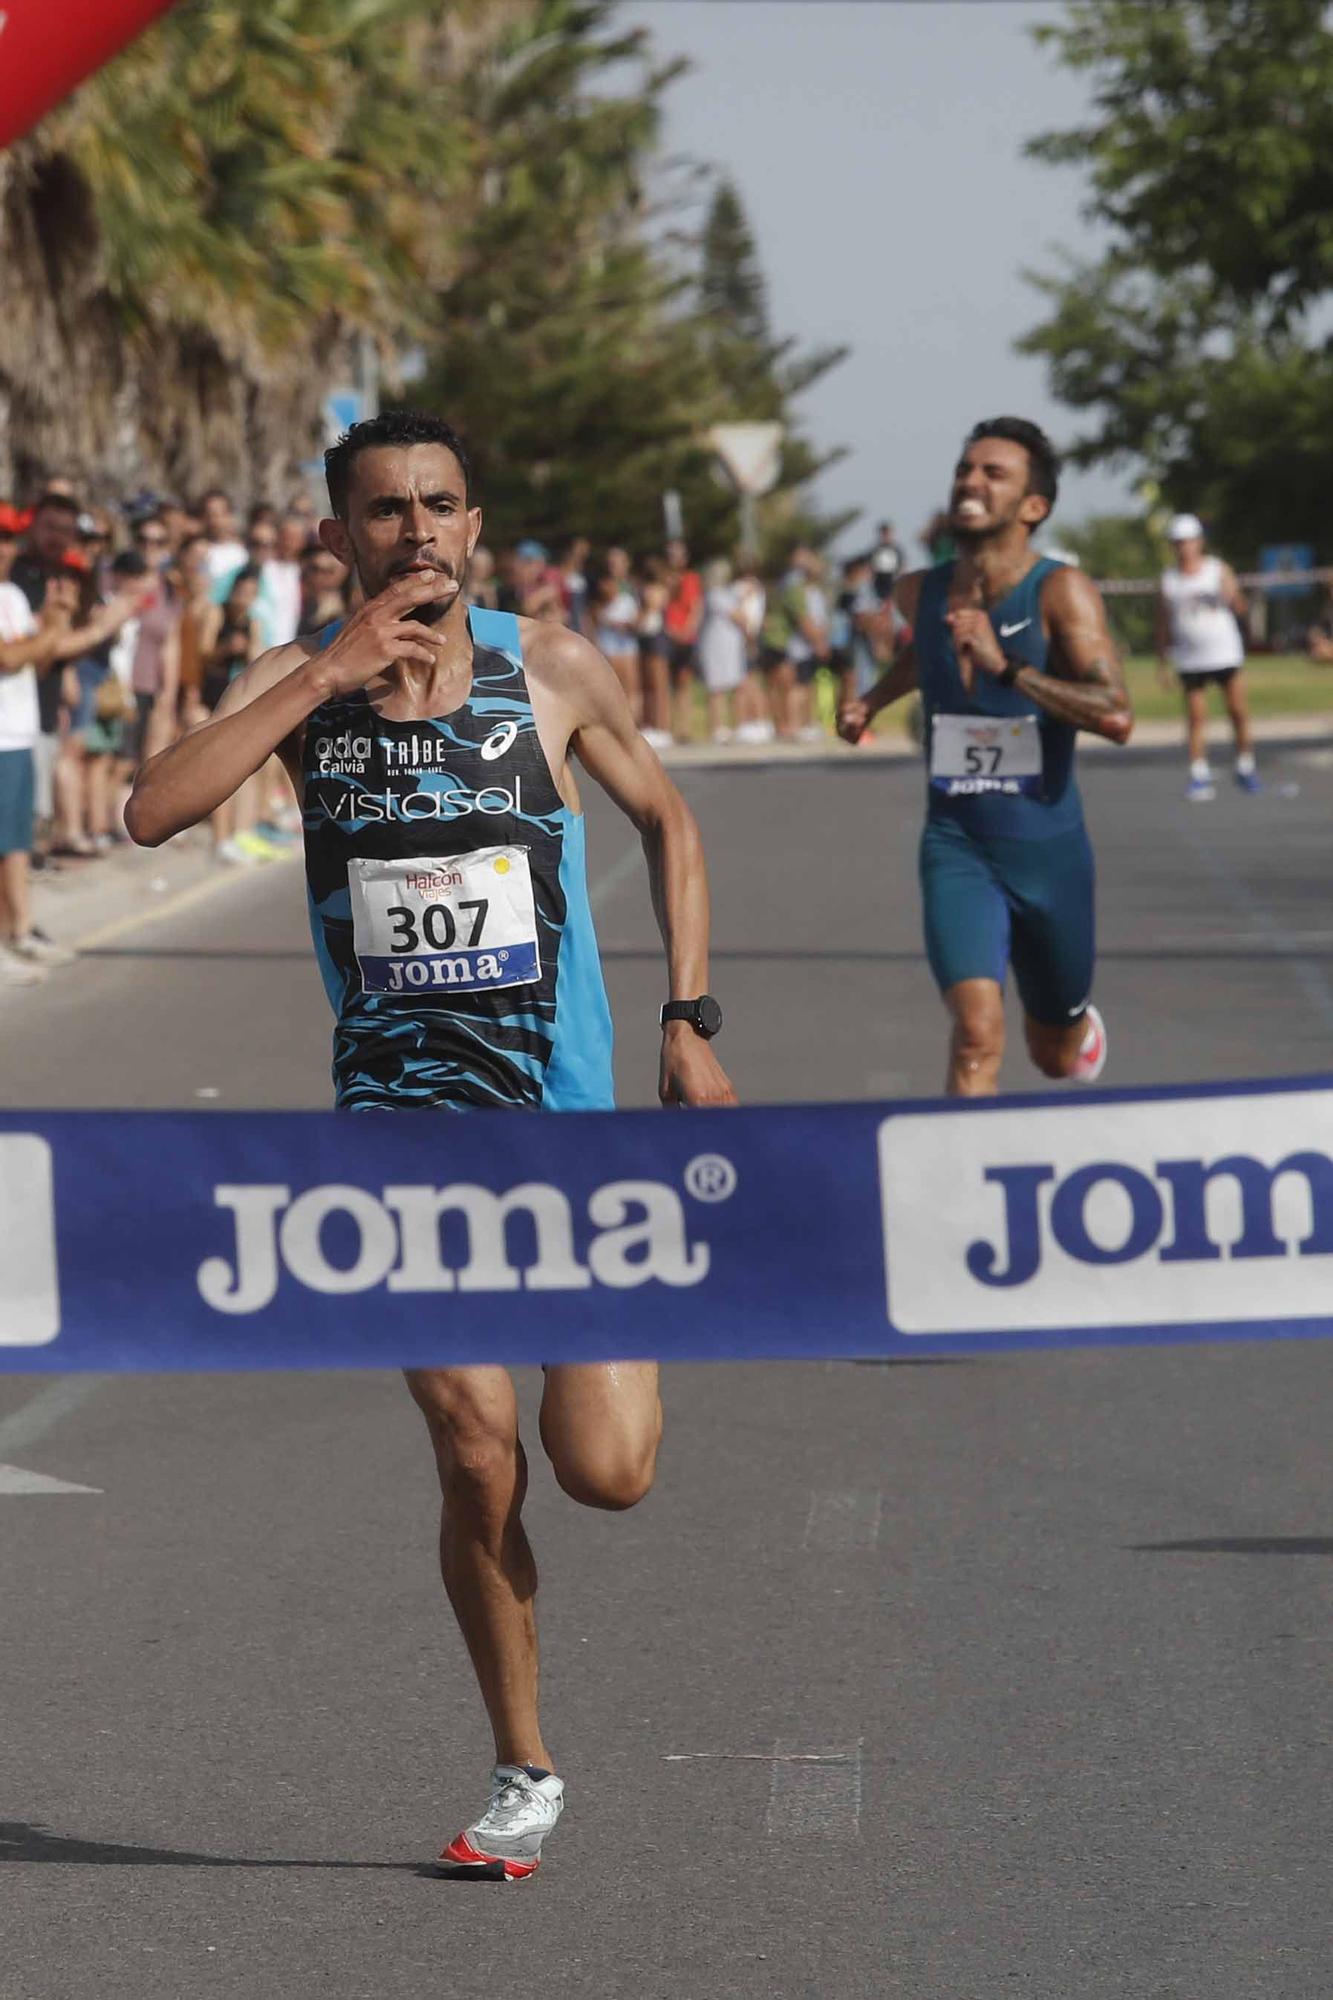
[(1085, 686)]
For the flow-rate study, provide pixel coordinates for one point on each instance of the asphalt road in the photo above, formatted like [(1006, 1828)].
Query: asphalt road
[(947, 1680)]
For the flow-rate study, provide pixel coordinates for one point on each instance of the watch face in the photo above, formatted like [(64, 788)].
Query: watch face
[(709, 1013)]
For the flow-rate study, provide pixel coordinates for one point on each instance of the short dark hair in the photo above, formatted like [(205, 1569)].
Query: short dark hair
[(388, 428), (128, 563), (1043, 459)]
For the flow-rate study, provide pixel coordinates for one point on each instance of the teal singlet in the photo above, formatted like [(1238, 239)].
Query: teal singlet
[(1043, 801)]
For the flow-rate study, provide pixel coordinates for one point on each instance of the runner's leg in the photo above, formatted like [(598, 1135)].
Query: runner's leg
[(601, 1425), (1052, 887), (966, 922), (485, 1558), (1238, 710), (1196, 720), (976, 1045)]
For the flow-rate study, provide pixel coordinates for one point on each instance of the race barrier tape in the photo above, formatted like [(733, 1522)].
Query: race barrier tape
[(45, 51), (247, 1240)]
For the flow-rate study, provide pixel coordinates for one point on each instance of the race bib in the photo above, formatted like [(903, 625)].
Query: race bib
[(457, 924), (972, 754)]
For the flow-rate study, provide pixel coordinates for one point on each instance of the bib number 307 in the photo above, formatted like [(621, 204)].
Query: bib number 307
[(458, 923)]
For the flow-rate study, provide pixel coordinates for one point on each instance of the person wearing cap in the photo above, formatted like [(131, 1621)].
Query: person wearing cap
[(1199, 610)]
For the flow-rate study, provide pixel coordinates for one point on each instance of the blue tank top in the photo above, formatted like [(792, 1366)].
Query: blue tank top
[(449, 904), (1046, 805)]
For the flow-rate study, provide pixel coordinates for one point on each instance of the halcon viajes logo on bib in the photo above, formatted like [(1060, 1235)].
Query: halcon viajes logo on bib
[(29, 1283), (1204, 1211)]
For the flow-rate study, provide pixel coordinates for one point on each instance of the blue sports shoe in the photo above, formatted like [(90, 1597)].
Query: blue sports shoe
[(1200, 790), (1249, 781)]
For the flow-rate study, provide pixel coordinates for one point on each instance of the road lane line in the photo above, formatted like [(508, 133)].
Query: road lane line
[(838, 1523), (33, 1419), (814, 1796), (14, 1480), (184, 899)]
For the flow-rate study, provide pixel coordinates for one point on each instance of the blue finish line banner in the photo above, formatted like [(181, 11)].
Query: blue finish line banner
[(206, 1240)]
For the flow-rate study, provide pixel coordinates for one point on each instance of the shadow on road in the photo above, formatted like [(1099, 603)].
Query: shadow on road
[(1242, 1545), (22, 1841)]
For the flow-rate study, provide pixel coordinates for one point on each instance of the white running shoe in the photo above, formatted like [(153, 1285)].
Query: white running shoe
[(37, 949), (1092, 1056), (231, 856), (16, 971), (657, 739), (506, 1842)]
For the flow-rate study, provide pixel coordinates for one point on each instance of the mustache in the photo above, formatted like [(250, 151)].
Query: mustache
[(423, 562)]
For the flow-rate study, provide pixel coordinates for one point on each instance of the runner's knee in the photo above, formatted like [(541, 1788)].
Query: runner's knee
[(475, 1440), (613, 1477)]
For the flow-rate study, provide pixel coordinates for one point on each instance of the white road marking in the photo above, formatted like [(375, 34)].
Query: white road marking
[(837, 1523), (13, 1479), (815, 1796), (42, 1412), (196, 892)]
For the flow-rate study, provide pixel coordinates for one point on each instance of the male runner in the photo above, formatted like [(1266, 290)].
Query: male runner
[(1012, 655), (1199, 611), (422, 729)]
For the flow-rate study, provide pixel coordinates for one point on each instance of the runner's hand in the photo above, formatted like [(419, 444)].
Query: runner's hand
[(690, 1072), (382, 632), (975, 643), (853, 720)]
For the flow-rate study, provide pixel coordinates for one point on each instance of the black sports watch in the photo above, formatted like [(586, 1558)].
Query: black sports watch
[(1012, 669), (704, 1015)]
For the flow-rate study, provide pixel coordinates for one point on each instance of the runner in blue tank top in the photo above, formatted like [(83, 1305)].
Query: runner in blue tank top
[(1012, 656), (431, 745)]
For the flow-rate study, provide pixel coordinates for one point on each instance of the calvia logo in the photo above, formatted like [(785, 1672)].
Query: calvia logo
[(1189, 1211), (424, 1239)]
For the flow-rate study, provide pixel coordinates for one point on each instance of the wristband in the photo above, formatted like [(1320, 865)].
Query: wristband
[(1012, 669)]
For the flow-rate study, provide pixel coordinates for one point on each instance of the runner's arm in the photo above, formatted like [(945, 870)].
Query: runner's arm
[(612, 751), (265, 705), (263, 710), (898, 679), (1086, 687), (1234, 595)]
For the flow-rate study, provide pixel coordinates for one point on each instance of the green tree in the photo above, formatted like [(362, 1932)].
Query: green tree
[(1193, 342)]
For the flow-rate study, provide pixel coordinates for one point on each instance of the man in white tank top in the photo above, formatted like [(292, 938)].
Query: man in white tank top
[(1198, 630)]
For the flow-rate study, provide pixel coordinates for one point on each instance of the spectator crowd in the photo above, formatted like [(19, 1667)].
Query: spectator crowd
[(121, 630)]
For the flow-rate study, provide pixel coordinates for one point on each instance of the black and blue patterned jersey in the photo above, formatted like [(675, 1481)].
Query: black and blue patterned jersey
[(448, 901)]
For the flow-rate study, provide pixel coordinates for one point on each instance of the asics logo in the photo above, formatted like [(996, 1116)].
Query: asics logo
[(1008, 631), (501, 738)]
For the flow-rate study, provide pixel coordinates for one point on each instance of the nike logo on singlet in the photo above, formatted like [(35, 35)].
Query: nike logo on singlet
[(1008, 631)]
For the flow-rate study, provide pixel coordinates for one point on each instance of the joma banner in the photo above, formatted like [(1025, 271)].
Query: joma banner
[(45, 51), (146, 1240)]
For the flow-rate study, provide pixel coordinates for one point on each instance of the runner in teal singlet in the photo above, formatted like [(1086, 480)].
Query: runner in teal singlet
[(1012, 656), (432, 746)]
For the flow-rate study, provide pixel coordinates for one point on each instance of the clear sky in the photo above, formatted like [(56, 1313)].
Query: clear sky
[(877, 146)]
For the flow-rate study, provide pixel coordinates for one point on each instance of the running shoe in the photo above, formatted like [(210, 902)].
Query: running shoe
[(256, 848), (506, 1842), (1200, 790), (1091, 1059), (38, 949), (1249, 781), (657, 739), (16, 971)]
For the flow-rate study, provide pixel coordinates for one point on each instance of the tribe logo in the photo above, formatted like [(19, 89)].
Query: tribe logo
[(29, 1283), (459, 1238), (1099, 1215)]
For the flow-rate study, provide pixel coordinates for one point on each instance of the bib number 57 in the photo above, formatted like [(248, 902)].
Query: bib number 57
[(982, 760), (438, 925)]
